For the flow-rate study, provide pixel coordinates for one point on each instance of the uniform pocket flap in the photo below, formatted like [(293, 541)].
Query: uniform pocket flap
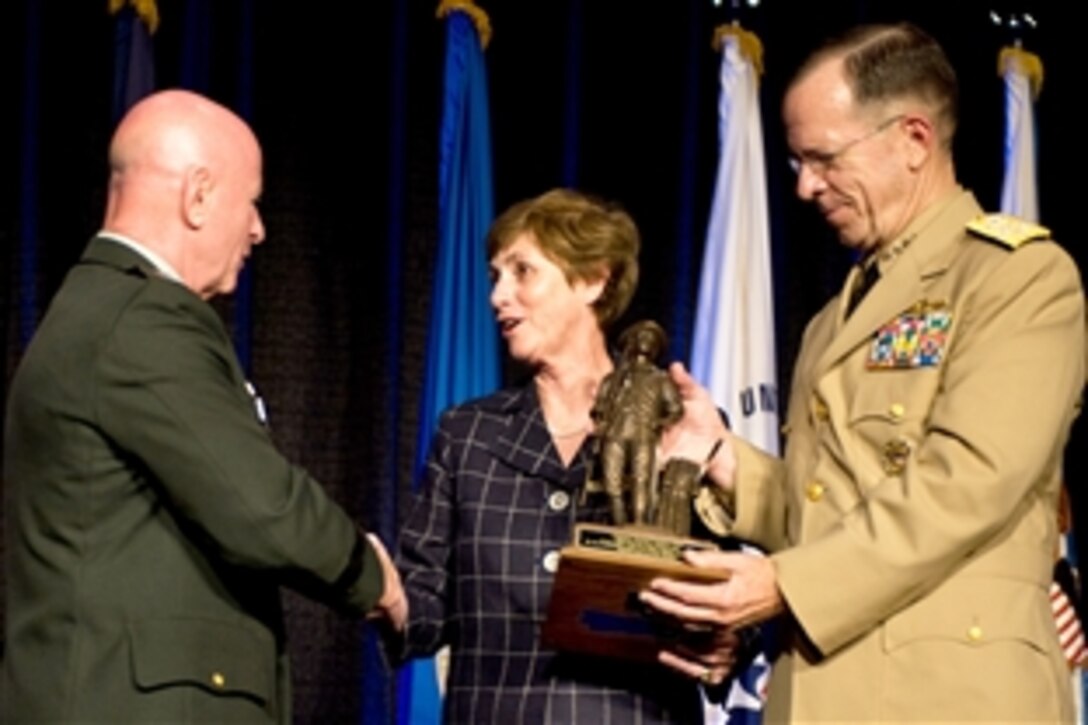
[(976, 611), (219, 657), (900, 397)]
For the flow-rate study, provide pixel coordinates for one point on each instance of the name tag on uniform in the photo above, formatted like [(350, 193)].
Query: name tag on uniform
[(914, 339)]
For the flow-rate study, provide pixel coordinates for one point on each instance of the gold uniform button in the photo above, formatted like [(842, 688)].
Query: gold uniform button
[(897, 411), (814, 492), (218, 680), (974, 633)]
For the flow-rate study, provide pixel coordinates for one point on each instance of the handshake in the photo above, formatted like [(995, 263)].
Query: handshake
[(392, 606)]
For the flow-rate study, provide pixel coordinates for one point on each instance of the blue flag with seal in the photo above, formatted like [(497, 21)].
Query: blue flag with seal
[(462, 340)]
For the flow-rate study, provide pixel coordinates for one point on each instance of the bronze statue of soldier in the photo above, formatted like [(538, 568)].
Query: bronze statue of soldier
[(634, 404), (600, 573)]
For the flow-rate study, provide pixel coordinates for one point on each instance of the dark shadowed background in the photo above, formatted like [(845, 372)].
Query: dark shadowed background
[(616, 97)]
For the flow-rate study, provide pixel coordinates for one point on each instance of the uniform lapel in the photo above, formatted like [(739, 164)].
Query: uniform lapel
[(922, 262), (894, 292)]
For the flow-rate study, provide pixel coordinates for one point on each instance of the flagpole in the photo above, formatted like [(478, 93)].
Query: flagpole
[(462, 340), (1022, 74), (733, 350)]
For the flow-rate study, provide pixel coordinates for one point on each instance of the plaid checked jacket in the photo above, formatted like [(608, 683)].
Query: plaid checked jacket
[(478, 554)]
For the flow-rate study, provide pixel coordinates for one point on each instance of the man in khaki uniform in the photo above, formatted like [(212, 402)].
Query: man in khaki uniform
[(912, 521)]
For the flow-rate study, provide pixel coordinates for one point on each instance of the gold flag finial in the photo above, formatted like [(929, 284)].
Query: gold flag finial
[(479, 17), (1028, 63), (146, 10), (748, 42)]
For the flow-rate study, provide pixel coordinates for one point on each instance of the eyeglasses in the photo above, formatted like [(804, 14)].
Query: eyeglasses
[(820, 162)]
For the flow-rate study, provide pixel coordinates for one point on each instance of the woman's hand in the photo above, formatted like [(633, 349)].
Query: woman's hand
[(706, 654)]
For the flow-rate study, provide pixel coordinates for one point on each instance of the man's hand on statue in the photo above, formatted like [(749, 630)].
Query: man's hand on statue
[(700, 435)]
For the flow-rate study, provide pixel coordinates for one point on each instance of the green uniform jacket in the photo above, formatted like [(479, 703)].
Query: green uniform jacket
[(914, 517), (150, 520)]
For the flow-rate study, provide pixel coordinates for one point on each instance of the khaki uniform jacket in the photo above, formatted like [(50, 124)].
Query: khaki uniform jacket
[(914, 517), (150, 520)]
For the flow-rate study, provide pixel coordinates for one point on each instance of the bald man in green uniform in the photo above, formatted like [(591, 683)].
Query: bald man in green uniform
[(151, 522)]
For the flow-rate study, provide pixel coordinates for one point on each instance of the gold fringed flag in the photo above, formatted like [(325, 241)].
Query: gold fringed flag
[(146, 10)]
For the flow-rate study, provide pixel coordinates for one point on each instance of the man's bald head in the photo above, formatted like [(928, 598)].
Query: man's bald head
[(185, 175)]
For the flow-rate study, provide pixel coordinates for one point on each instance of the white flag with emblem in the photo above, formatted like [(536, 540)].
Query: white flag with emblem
[(733, 348), (1023, 75)]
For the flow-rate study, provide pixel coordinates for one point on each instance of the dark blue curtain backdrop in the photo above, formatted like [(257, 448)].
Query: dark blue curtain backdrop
[(615, 97)]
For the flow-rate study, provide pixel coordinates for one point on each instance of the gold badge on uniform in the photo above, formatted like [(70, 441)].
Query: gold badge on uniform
[(914, 339), (896, 453)]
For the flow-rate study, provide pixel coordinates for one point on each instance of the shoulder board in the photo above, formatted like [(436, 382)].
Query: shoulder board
[(1006, 230)]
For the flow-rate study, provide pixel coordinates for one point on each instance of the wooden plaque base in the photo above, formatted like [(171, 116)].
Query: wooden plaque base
[(595, 609)]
